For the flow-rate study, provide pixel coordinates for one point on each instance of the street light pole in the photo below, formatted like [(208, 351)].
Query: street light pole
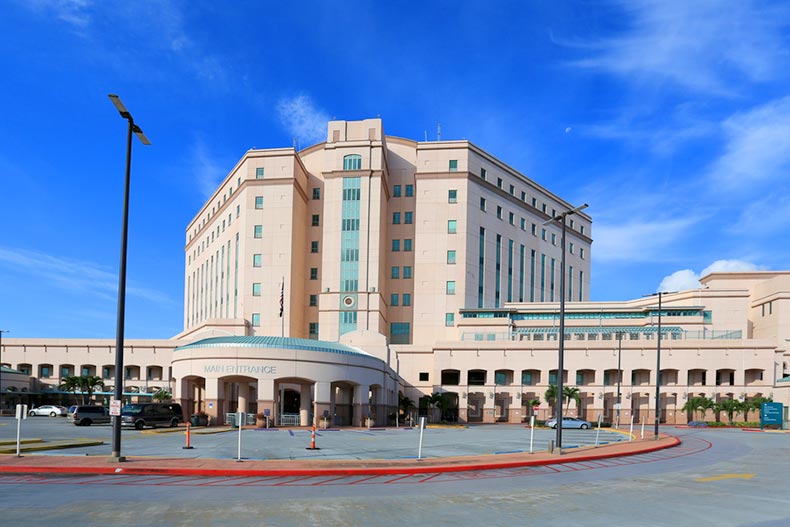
[(658, 368), (619, 375), (560, 367), (1, 369), (116, 419)]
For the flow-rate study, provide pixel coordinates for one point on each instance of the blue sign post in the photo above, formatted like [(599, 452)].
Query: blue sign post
[(771, 415)]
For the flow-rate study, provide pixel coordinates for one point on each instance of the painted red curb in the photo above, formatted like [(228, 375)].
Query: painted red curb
[(351, 471)]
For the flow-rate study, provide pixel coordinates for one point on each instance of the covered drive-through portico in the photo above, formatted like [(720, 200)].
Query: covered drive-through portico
[(300, 382)]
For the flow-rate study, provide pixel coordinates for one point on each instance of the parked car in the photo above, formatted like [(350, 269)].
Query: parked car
[(88, 415), (48, 409), (569, 422), (151, 414)]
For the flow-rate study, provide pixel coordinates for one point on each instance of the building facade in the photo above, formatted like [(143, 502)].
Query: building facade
[(327, 281)]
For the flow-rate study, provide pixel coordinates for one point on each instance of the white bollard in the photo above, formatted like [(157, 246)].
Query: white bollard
[(643, 427), (531, 432), (422, 428), (21, 413), (598, 433), (631, 430), (240, 416)]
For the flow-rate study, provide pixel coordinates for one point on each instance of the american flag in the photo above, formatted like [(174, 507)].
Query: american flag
[(282, 298)]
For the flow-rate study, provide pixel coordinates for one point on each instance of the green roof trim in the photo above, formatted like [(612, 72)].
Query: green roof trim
[(275, 342), (784, 379)]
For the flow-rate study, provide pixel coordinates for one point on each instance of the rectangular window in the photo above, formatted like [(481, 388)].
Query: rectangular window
[(534, 230), (511, 218), (313, 247), (406, 299), (396, 191), (394, 299), (408, 218), (257, 260), (313, 330), (449, 319), (483, 204), (407, 271), (424, 376), (543, 208), (523, 196), (483, 174), (316, 221), (512, 190), (314, 273), (554, 239), (238, 210), (395, 274), (581, 229), (570, 248), (258, 202), (259, 173), (450, 287), (317, 193), (451, 257), (452, 226), (313, 300), (407, 245), (581, 253), (409, 191), (256, 320), (523, 224), (499, 182), (400, 333), (499, 212), (453, 165), (256, 289), (395, 246), (452, 196), (396, 218), (543, 234), (258, 233)]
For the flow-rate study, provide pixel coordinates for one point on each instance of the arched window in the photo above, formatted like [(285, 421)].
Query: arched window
[(352, 162)]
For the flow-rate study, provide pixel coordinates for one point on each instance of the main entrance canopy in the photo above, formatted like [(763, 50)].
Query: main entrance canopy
[(299, 381)]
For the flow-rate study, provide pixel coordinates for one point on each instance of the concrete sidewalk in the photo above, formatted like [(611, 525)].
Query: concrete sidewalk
[(174, 466)]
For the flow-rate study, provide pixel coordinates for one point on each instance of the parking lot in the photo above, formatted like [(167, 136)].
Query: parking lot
[(285, 443)]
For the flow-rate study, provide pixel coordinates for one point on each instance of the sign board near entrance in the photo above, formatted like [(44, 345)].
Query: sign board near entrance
[(771, 414), (115, 407)]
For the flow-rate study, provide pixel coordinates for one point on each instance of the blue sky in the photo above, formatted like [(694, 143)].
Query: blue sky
[(670, 118)]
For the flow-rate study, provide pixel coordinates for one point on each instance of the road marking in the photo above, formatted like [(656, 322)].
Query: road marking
[(725, 476)]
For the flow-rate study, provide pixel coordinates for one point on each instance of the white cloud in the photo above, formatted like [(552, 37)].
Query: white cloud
[(758, 147), (687, 279), (302, 119), (638, 241), (702, 45), (74, 275)]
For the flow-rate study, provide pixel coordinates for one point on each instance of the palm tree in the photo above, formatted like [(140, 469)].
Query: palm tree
[(551, 396), (89, 383), (571, 392), (698, 404), (162, 395), (729, 406), (70, 383), (405, 405), (437, 400)]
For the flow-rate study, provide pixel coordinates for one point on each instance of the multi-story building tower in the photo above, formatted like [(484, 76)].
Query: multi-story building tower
[(379, 233)]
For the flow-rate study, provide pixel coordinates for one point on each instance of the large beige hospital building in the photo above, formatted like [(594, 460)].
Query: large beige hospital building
[(327, 281)]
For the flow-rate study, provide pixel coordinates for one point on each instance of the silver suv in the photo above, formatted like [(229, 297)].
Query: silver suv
[(88, 415)]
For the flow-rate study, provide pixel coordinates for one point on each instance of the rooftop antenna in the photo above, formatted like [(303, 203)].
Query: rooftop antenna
[(438, 131)]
